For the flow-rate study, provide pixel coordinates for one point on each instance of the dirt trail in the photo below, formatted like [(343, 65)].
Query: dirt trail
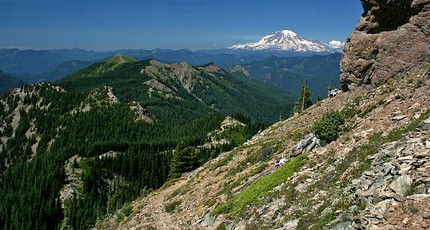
[(164, 220)]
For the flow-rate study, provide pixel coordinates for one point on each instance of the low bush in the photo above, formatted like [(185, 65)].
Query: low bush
[(170, 208), (328, 128)]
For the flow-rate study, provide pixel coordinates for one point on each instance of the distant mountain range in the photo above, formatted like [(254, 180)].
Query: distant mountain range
[(9, 82), (19, 62), (56, 73), (283, 43), (287, 73), (290, 73), (32, 66), (287, 40)]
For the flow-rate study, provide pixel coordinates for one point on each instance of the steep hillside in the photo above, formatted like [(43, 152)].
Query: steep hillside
[(376, 173), (179, 91), (359, 160), (290, 73), (7, 82)]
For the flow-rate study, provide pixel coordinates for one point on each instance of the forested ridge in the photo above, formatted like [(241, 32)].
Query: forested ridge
[(70, 157), (179, 91)]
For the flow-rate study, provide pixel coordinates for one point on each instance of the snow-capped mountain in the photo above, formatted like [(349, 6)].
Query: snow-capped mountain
[(287, 40)]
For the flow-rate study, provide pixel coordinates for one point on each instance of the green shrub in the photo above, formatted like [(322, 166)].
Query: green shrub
[(170, 208), (127, 209), (327, 129)]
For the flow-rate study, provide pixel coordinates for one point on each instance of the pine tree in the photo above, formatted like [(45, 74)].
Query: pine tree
[(329, 87), (183, 160), (305, 100)]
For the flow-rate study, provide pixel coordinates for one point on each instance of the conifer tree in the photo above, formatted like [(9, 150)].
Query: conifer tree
[(305, 100), (184, 160), (329, 87)]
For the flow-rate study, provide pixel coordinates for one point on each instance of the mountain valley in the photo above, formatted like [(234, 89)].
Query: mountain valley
[(289, 73)]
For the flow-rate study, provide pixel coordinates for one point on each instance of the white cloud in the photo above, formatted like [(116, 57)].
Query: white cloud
[(336, 44)]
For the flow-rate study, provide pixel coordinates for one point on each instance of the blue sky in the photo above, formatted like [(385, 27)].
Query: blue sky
[(171, 24)]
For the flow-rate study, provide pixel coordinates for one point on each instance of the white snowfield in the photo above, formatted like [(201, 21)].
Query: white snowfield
[(287, 40)]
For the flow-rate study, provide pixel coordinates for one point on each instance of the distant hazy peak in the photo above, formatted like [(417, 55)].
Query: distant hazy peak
[(287, 40), (119, 59)]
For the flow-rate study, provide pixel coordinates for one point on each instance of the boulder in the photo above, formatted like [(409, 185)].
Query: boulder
[(305, 145), (392, 36), (402, 185), (207, 220)]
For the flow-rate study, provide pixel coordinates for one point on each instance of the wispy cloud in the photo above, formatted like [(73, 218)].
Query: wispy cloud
[(336, 44)]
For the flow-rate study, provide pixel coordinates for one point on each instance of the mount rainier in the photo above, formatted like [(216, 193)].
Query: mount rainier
[(287, 40)]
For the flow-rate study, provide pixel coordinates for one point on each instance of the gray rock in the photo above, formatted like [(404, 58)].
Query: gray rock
[(419, 196), (398, 118), (207, 220), (388, 168), (291, 224), (305, 145), (402, 185), (335, 221), (426, 215), (406, 158), (344, 226), (366, 193), (366, 184), (388, 195), (422, 154), (369, 173), (404, 168)]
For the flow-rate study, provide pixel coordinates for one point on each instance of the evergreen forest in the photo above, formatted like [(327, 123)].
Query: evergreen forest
[(69, 157)]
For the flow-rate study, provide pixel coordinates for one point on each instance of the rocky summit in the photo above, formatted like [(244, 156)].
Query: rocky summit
[(390, 38)]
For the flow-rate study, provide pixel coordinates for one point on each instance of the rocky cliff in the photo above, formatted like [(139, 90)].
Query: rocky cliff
[(390, 38)]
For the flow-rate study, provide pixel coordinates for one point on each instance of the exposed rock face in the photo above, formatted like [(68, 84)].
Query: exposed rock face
[(391, 37), (182, 72), (239, 68)]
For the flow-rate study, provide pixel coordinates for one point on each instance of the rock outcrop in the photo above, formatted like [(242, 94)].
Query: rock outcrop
[(391, 37)]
